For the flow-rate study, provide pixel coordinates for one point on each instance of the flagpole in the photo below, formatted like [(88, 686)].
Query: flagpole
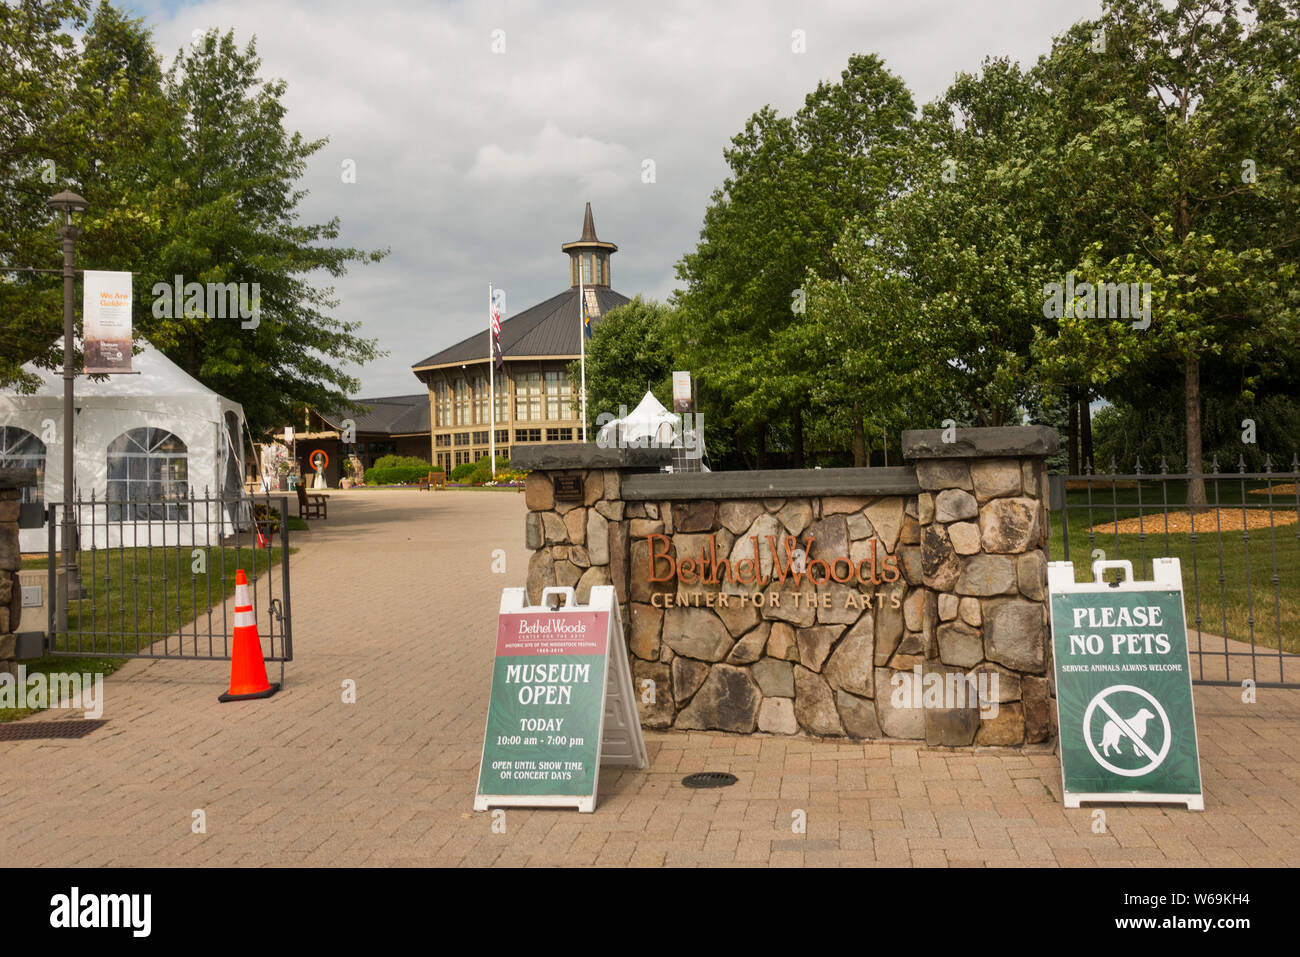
[(582, 340), (492, 391)]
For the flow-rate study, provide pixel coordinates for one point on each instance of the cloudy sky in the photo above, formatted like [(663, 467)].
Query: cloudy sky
[(474, 165)]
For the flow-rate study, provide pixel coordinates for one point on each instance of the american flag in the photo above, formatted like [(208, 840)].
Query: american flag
[(497, 357)]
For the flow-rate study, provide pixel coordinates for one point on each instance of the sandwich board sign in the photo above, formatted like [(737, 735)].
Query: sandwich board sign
[(561, 704), (1124, 687)]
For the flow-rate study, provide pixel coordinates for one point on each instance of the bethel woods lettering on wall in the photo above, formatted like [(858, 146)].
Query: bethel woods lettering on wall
[(708, 569)]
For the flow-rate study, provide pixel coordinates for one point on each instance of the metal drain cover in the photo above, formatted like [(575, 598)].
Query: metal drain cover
[(34, 730), (709, 779)]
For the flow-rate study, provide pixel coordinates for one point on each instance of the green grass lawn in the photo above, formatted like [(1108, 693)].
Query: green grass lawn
[(146, 591), (1226, 579)]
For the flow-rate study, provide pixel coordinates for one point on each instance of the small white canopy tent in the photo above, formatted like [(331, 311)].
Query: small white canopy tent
[(160, 434), (650, 425)]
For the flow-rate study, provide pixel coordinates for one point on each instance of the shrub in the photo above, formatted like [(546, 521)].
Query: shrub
[(463, 471), (483, 469), (404, 461), (393, 469)]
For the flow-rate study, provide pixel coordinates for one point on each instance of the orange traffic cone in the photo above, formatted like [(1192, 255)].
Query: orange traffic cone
[(247, 667)]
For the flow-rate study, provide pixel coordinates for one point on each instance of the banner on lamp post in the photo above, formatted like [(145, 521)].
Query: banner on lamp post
[(681, 392), (106, 321)]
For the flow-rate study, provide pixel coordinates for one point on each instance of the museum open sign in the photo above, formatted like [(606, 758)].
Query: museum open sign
[(1124, 688), (560, 706), (544, 716)]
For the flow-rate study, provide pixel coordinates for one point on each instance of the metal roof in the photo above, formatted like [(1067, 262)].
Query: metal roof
[(391, 415), (550, 328)]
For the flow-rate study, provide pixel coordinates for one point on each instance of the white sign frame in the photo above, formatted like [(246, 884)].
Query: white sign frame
[(621, 741), (1167, 576)]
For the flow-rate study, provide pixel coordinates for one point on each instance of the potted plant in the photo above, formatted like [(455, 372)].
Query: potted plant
[(284, 467), (347, 474)]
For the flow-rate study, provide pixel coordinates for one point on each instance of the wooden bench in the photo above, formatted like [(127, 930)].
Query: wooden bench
[(311, 506), (435, 481)]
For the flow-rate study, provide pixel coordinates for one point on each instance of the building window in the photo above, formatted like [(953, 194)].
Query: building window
[(559, 394), (586, 268), (528, 396), (441, 404), (503, 453), (461, 402), (462, 438), (480, 438), (442, 440), (148, 468), (528, 435), (503, 436), (559, 435), (20, 449), (600, 269), (503, 398), (481, 399)]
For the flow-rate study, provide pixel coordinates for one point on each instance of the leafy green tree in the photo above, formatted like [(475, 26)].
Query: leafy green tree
[(189, 172), (234, 218), (38, 61), (1183, 156), (629, 354), (934, 314), (794, 184)]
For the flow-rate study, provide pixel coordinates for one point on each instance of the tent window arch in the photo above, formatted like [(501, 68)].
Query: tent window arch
[(20, 449), (148, 476)]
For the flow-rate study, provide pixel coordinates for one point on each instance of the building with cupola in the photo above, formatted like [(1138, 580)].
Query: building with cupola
[(535, 399)]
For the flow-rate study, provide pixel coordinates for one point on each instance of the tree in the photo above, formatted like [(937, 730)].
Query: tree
[(37, 74), (934, 315), (234, 218), (795, 182), (1180, 144), (627, 355), (188, 173)]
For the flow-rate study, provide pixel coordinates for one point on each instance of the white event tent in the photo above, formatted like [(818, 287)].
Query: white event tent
[(650, 425), (159, 435)]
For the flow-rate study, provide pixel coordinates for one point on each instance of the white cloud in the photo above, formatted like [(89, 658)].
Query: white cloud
[(474, 167), (551, 155)]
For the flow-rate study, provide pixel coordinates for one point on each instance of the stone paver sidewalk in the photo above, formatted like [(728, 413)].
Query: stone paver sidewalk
[(396, 592)]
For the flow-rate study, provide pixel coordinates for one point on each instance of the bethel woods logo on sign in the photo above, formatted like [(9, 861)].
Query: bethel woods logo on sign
[(709, 569)]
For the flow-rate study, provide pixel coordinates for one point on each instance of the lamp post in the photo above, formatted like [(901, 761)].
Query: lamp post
[(68, 204)]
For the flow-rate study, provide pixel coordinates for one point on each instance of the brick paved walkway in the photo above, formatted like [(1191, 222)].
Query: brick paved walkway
[(395, 591)]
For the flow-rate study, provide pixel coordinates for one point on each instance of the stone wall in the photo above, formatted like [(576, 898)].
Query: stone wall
[(12, 482), (906, 575)]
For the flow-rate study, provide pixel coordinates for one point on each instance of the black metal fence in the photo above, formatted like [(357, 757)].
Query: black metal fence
[(156, 579), (1239, 552)]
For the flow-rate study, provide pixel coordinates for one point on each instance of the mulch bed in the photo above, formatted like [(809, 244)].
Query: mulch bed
[(1227, 520), (1287, 489)]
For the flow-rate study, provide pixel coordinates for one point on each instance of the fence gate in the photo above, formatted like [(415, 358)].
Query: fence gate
[(1240, 555), (156, 579)]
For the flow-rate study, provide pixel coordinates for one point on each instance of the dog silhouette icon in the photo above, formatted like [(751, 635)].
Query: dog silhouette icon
[(1111, 735)]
